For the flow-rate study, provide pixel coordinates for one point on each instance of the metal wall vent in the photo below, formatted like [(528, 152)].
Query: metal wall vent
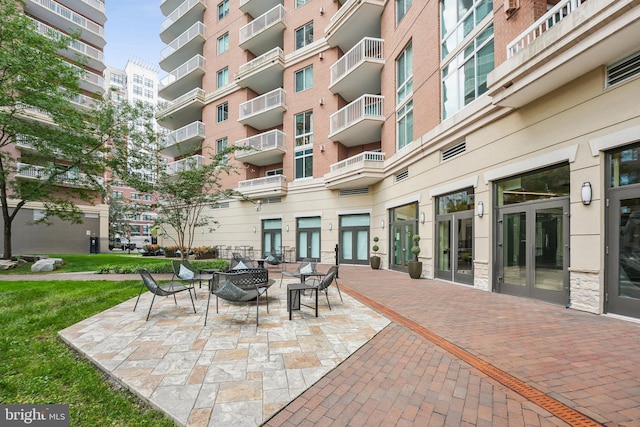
[(272, 200), (354, 191), (221, 205), (623, 70), (402, 176), (454, 150)]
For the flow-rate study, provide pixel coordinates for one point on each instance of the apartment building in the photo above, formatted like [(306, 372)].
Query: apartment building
[(86, 18), (505, 133), (137, 83)]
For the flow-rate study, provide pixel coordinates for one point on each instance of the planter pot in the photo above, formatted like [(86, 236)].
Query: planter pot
[(415, 269), (375, 262)]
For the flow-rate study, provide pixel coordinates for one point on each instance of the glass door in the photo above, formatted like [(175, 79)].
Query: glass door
[(533, 250), (402, 233), (308, 238), (354, 239), (271, 237), (623, 261)]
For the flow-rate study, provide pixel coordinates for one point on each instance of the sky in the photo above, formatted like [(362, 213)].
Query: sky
[(132, 31)]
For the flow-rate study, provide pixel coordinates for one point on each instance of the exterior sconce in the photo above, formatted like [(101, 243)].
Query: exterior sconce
[(287, 228), (422, 218), (382, 223), (330, 226), (586, 193), (480, 209), (259, 205), (254, 229)]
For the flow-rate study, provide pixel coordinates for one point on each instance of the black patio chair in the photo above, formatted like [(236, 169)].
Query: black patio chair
[(294, 292), (306, 267), (184, 271), (162, 289)]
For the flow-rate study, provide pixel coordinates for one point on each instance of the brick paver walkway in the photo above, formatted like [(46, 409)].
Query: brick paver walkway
[(582, 362)]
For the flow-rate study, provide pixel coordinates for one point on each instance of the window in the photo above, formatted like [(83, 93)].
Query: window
[(401, 9), (137, 90), (464, 78), (148, 93), (223, 77), (404, 117), (138, 79), (117, 194), (304, 128), (223, 43), (304, 163), (117, 79), (223, 9), (222, 112), (304, 79), (135, 196), (404, 74), (301, 3), (148, 83), (458, 18), (304, 35), (221, 145), (274, 172)]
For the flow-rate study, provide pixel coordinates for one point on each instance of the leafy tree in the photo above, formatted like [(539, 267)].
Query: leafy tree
[(66, 149), (181, 197)]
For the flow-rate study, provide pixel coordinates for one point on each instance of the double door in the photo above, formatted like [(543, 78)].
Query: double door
[(454, 247), (623, 252), (402, 242), (532, 250)]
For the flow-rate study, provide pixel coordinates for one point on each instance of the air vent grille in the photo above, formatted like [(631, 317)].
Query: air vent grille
[(272, 200), (624, 69), (454, 150), (221, 205), (402, 176), (354, 191)]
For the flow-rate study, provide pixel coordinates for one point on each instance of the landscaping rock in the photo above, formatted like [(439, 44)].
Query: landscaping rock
[(7, 264), (47, 264)]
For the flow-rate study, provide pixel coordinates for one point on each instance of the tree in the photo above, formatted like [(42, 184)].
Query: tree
[(69, 148), (181, 197)]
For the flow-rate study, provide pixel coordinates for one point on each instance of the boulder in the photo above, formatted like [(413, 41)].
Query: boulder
[(7, 264), (46, 264)]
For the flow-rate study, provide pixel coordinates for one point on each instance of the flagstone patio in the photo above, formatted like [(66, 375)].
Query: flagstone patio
[(229, 372)]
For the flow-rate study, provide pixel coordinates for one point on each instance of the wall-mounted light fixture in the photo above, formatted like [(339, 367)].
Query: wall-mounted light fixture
[(480, 209), (586, 193), (259, 205), (330, 226), (382, 223), (254, 229), (287, 228), (422, 218)]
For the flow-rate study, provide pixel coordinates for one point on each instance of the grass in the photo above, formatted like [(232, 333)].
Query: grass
[(36, 367), (114, 263)]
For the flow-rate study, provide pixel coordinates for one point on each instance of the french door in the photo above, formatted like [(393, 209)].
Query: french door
[(623, 259), (533, 250), (454, 247), (402, 242)]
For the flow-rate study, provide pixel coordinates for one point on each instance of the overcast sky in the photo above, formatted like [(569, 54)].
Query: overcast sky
[(132, 31)]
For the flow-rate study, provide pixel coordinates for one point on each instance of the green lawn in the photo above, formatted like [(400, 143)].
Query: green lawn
[(36, 367), (115, 263)]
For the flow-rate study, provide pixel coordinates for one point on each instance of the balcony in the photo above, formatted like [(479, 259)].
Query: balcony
[(266, 148), (184, 109), (60, 16), (90, 81), (168, 6), (355, 20), (358, 71), (84, 101), (268, 186), (265, 32), (358, 171), (358, 123), (183, 79), (265, 111), (181, 19), (258, 7), (69, 178), (189, 163), (94, 9), (575, 36), (183, 141), (94, 57), (185, 46), (263, 73)]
